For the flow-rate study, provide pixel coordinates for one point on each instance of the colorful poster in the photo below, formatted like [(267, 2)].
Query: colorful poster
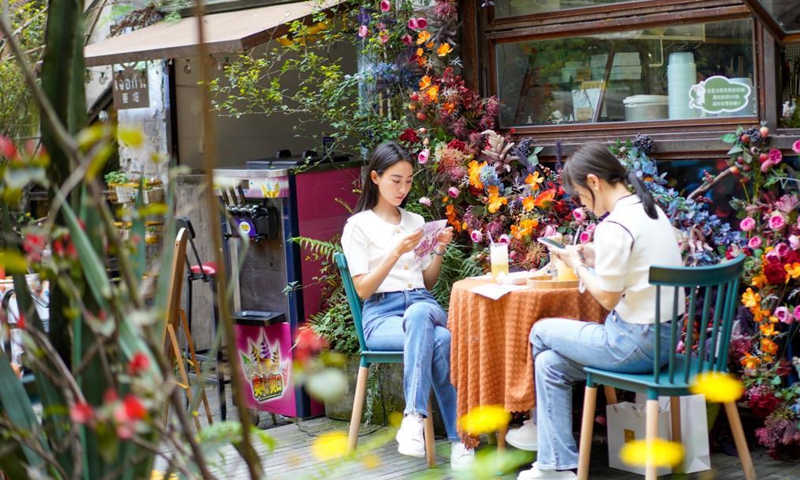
[(265, 356)]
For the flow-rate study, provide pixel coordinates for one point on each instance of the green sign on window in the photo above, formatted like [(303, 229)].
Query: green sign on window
[(720, 95)]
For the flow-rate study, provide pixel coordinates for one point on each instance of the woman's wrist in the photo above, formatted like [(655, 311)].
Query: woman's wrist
[(440, 251)]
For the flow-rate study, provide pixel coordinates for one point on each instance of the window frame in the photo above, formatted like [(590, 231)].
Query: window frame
[(482, 32)]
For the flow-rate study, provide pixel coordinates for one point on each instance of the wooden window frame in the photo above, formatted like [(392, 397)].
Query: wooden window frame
[(698, 138)]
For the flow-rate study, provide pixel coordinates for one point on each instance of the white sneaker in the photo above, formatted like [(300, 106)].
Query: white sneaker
[(525, 437), (536, 474), (410, 440), (461, 457)]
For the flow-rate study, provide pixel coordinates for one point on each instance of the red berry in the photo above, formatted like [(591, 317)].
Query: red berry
[(747, 168), (763, 157), (764, 131), (414, 96), (735, 170), (745, 138), (421, 116)]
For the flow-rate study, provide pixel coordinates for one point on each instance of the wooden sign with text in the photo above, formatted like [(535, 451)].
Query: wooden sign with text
[(130, 89)]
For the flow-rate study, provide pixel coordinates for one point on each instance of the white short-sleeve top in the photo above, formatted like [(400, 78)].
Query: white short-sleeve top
[(627, 244), (367, 239)]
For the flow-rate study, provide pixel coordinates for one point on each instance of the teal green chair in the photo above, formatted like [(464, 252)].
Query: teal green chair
[(718, 284), (372, 357)]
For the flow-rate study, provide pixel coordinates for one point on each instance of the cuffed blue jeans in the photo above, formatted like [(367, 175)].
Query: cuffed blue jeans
[(412, 321), (561, 348)]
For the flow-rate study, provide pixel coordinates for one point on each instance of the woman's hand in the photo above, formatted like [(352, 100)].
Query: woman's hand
[(586, 253), (443, 239), (570, 256), (408, 243)]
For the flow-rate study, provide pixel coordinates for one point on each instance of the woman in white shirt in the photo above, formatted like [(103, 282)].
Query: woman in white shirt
[(399, 312), (633, 236)]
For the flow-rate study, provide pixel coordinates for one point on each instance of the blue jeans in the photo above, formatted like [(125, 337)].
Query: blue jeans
[(561, 348), (412, 321)]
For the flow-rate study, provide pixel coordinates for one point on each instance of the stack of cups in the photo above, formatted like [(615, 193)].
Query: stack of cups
[(681, 75)]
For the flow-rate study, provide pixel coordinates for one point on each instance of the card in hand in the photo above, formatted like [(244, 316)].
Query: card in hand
[(430, 231)]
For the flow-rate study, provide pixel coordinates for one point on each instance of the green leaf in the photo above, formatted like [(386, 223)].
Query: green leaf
[(729, 138), (735, 149), (92, 264), (16, 405)]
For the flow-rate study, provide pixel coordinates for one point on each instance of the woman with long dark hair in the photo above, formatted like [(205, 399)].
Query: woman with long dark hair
[(399, 311), (634, 235)]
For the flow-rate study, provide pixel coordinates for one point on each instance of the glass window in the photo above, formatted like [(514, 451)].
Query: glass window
[(518, 8), (671, 73), (785, 12), (790, 80)]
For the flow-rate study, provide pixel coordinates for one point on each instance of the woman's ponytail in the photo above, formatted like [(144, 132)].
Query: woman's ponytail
[(644, 195)]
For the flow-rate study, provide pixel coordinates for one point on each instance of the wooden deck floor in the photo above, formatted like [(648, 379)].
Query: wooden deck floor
[(292, 458)]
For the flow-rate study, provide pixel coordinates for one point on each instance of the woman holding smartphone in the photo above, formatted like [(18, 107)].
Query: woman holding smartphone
[(399, 311), (634, 235)]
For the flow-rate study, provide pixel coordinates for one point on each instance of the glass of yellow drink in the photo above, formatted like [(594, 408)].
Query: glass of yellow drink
[(498, 253)]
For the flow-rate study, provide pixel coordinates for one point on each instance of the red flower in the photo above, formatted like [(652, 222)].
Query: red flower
[(81, 413), (409, 135), (138, 364), (7, 148), (791, 258), (774, 271), (33, 245), (133, 408), (762, 401), (307, 344), (457, 144)]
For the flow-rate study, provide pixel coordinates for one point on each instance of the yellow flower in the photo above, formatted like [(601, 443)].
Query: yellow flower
[(423, 37), (528, 203), (792, 271), (445, 199), (424, 82), (420, 52), (524, 229), (662, 453), (750, 361), (444, 49), (768, 346), (767, 329), (750, 299), (484, 419), (475, 174), (329, 446), (759, 314), (429, 45), (718, 387), (495, 200), (759, 281), (534, 180)]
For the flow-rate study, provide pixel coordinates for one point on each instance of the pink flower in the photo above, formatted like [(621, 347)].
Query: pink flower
[(776, 221), (384, 36), (783, 315), (386, 5), (585, 237), (381, 26), (747, 224), (766, 166), (504, 239), (407, 39), (412, 24), (782, 249), (422, 23), (796, 147), (579, 214), (363, 31), (81, 412), (549, 231), (775, 155), (453, 192), (476, 236), (591, 227), (425, 201), (754, 242), (773, 255), (794, 242), (7, 148), (797, 313), (787, 203), (423, 156)]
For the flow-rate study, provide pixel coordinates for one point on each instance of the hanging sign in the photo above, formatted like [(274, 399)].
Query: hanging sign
[(130, 89), (719, 95)]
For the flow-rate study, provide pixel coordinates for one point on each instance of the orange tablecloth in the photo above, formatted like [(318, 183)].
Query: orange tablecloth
[(491, 361)]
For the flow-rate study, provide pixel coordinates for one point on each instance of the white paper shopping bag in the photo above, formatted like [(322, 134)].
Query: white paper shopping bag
[(626, 423)]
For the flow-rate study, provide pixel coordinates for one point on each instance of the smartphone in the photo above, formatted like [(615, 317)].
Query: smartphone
[(550, 243)]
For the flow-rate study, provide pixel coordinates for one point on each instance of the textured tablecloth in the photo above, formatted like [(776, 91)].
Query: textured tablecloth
[(491, 361)]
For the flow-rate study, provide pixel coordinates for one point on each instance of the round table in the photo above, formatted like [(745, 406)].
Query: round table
[(491, 361)]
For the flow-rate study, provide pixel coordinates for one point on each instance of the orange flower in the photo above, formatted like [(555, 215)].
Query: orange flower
[(545, 197), (750, 361), (429, 45), (534, 180), (759, 315), (768, 346), (475, 174), (444, 49), (424, 82), (759, 281), (767, 329), (495, 200), (433, 93), (450, 212), (448, 107), (525, 228), (750, 299), (423, 37), (528, 203), (420, 52), (421, 61)]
